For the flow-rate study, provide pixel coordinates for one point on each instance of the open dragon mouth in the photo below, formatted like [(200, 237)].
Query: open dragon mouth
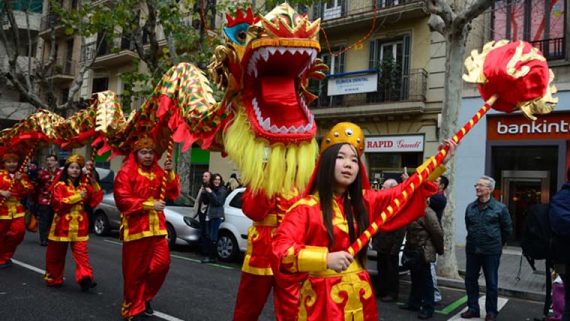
[(274, 100)]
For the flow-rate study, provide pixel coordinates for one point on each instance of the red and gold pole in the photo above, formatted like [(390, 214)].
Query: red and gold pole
[(166, 174), (417, 180)]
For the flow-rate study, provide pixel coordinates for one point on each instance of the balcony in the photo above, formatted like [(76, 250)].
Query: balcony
[(552, 49), (63, 70), (49, 22), (359, 13), (119, 53), (404, 95)]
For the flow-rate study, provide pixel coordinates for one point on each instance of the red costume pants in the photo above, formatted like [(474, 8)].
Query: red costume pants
[(253, 292), (11, 235), (145, 265), (55, 261)]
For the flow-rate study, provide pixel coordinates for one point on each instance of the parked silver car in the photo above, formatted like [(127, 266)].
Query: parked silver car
[(182, 228)]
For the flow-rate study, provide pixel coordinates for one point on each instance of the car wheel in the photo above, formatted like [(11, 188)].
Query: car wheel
[(101, 226), (227, 247), (171, 237)]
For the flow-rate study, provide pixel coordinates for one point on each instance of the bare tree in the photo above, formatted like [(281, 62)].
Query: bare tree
[(454, 24), (34, 82)]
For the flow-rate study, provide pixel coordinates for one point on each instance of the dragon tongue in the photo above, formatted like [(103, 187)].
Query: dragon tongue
[(279, 101)]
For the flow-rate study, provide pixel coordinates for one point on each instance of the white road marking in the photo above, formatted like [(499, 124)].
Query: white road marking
[(500, 304), (165, 316), (112, 242), (157, 314), (29, 267)]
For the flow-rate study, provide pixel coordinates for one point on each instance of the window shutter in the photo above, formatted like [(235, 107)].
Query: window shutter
[(373, 63)]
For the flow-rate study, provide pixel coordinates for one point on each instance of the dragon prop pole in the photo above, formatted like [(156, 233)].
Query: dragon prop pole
[(19, 171), (165, 177), (417, 180), (511, 76)]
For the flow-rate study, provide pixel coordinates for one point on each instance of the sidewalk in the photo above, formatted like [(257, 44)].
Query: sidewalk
[(531, 285)]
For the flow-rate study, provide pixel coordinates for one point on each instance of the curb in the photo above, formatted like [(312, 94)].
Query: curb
[(459, 284)]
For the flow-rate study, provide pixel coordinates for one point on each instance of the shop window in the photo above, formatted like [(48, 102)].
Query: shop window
[(382, 166), (540, 22)]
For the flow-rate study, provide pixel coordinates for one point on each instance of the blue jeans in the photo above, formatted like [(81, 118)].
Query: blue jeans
[(213, 228), (204, 239), (490, 265)]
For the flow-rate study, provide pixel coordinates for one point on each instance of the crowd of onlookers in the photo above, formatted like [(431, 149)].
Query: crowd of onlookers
[(489, 226), (209, 208)]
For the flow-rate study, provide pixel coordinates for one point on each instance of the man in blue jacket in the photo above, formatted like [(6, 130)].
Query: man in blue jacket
[(489, 226)]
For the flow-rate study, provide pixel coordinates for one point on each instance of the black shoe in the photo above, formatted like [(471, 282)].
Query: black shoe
[(148, 310), (424, 315), (470, 314), (85, 284), (44, 243), (6, 265), (409, 307)]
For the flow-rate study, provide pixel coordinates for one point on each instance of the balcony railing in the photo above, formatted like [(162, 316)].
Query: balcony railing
[(551, 48), (63, 67), (119, 44), (348, 8), (49, 21), (411, 87)]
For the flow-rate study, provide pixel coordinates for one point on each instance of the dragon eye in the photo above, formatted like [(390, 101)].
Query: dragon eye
[(237, 33)]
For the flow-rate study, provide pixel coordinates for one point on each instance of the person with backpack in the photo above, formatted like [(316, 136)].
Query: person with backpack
[(559, 216), (489, 226)]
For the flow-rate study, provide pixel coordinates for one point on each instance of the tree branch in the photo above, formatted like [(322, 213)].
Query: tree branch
[(28, 74), (150, 28), (442, 9), (471, 12)]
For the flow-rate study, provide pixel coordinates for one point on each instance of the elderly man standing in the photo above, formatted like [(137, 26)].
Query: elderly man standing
[(489, 225)]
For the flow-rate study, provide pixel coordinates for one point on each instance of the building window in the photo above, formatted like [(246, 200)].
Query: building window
[(331, 9), (336, 66), (540, 22), (391, 58)]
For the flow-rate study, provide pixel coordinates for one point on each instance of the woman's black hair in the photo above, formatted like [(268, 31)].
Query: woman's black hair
[(64, 177), (354, 208), (213, 177)]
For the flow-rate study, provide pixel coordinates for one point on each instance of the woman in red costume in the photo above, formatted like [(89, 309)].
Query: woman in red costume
[(70, 226), (14, 186), (311, 242), (146, 258)]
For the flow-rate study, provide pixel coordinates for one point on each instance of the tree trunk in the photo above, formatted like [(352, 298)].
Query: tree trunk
[(183, 170), (456, 40)]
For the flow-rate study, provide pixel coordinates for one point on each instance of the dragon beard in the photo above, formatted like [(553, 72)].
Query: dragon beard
[(273, 169)]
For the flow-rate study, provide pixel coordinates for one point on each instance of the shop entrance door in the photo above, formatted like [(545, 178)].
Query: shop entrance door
[(520, 189)]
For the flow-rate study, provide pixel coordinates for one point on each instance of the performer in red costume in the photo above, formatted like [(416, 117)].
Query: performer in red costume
[(70, 224), (14, 186), (257, 277), (312, 240), (146, 258)]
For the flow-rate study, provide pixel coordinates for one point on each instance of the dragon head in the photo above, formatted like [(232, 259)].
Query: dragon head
[(264, 69), (269, 60)]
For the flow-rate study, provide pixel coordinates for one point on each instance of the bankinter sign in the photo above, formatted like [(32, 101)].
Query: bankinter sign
[(552, 126)]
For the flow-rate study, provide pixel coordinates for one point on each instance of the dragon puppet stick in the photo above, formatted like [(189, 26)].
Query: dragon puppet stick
[(510, 76), (165, 177)]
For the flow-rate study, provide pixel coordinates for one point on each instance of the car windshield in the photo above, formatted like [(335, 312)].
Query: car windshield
[(182, 200)]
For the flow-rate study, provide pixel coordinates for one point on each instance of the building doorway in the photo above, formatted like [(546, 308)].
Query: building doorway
[(521, 189)]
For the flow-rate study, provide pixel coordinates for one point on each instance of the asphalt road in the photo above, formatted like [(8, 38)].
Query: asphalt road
[(192, 291)]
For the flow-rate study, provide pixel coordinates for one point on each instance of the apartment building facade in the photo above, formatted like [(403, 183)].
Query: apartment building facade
[(27, 14), (382, 77)]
